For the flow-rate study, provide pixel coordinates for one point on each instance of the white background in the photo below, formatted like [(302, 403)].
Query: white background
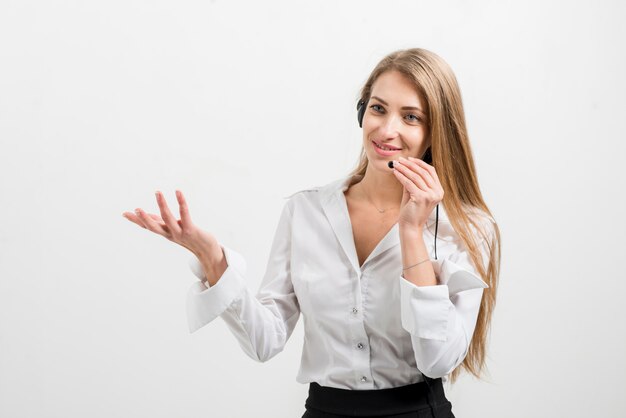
[(239, 104)]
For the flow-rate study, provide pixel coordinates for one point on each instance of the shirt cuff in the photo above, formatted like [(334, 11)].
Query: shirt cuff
[(457, 278), (205, 303), (425, 310)]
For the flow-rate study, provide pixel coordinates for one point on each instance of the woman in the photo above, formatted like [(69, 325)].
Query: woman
[(384, 328)]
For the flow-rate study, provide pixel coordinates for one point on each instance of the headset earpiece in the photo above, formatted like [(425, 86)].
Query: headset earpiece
[(361, 111)]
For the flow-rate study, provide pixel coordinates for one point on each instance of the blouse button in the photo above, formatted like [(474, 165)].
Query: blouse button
[(355, 310), (363, 379), (360, 346)]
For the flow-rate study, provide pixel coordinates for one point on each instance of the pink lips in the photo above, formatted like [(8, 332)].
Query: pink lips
[(384, 152)]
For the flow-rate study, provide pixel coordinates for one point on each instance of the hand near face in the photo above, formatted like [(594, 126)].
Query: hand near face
[(182, 231), (422, 191)]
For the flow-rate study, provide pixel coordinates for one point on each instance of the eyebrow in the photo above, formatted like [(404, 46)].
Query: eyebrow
[(403, 107)]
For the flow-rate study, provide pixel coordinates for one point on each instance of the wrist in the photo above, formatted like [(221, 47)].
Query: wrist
[(411, 231), (213, 264), (209, 252)]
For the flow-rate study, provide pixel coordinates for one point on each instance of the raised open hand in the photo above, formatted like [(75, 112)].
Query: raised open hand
[(181, 231)]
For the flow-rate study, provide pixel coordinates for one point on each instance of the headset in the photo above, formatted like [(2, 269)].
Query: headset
[(427, 158)]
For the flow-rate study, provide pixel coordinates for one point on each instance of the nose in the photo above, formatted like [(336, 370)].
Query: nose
[(389, 127)]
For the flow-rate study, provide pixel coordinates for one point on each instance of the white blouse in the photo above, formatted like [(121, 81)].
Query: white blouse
[(366, 327)]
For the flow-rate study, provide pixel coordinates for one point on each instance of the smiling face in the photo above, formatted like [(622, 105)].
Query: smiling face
[(395, 118)]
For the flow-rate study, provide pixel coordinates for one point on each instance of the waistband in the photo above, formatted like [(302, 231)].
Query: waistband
[(377, 402)]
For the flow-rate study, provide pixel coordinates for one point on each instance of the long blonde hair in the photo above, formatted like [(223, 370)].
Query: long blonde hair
[(453, 160)]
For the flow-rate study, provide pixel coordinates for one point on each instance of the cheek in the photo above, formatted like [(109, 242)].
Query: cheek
[(370, 124), (368, 133), (367, 145), (410, 142), (417, 138)]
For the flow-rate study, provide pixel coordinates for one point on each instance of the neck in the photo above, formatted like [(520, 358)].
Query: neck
[(383, 189)]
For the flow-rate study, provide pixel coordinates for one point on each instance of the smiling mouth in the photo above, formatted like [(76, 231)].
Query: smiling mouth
[(384, 148)]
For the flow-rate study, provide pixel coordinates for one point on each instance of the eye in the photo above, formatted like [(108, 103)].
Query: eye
[(376, 106), (415, 118)]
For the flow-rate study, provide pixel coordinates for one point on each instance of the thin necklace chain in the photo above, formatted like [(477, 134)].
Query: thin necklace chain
[(370, 200)]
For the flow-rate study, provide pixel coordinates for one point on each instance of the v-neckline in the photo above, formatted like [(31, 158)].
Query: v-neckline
[(374, 252)]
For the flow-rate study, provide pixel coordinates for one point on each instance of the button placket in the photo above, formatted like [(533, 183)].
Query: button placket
[(361, 339)]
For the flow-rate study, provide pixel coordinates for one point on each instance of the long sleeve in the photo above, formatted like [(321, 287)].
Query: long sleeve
[(441, 318), (262, 323)]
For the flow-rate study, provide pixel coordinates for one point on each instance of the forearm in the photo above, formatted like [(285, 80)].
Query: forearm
[(413, 251), (260, 326), (441, 331), (213, 263)]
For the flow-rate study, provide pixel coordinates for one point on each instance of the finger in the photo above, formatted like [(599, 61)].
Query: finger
[(428, 167), (150, 223), (157, 218), (134, 219), (408, 184), (133, 216), (168, 218), (421, 171), (185, 219), (159, 221), (412, 175), (438, 188)]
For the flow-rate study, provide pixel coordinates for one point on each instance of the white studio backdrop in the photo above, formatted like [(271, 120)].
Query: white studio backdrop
[(239, 104)]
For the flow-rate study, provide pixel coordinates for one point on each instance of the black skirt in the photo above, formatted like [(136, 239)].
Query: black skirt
[(423, 399)]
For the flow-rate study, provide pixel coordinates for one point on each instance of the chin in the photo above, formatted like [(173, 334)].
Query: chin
[(379, 163)]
